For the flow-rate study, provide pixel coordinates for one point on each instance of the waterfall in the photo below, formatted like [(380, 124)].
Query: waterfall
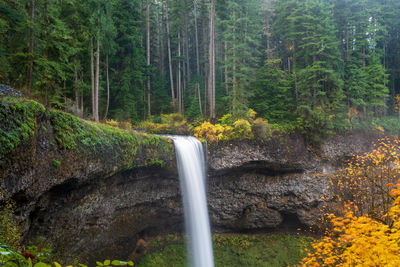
[(191, 168)]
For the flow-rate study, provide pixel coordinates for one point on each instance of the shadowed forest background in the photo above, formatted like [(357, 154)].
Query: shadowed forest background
[(314, 65)]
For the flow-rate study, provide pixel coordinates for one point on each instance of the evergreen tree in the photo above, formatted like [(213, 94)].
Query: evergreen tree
[(273, 95), (242, 30)]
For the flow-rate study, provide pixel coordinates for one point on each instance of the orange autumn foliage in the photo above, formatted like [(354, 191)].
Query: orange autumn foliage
[(367, 230), (366, 178), (359, 240)]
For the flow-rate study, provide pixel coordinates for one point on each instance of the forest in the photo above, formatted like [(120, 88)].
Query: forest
[(298, 100), (315, 64)]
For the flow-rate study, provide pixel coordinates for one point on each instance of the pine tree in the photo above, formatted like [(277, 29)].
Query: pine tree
[(273, 95), (241, 34)]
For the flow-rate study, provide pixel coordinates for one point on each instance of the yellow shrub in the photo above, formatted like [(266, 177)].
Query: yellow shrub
[(172, 118), (367, 230), (251, 114), (212, 133), (126, 125), (227, 119), (364, 179), (359, 241), (112, 122), (242, 129)]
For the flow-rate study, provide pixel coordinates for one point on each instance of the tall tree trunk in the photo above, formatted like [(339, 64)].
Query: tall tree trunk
[(234, 82), (92, 77), (295, 73), (268, 34), (314, 80), (211, 61), (108, 89), (170, 57), (81, 102), (178, 78), (148, 57), (31, 49), (160, 45), (347, 46), (76, 90), (187, 47), (205, 49), (196, 36), (199, 96), (96, 94), (341, 44), (226, 68)]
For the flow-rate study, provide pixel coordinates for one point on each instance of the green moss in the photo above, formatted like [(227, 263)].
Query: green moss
[(84, 138), (239, 250), (56, 163), (18, 123)]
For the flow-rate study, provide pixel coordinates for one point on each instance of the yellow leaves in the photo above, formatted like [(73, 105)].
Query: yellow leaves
[(251, 114), (240, 129), (368, 231), (212, 133), (358, 241)]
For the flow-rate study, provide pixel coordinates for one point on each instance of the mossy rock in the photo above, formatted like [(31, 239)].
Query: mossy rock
[(20, 122)]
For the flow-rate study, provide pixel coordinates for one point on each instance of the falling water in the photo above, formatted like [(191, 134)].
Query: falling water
[(191, 167)]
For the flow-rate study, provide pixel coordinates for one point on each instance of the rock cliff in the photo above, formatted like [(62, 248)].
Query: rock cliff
[(91, 191)]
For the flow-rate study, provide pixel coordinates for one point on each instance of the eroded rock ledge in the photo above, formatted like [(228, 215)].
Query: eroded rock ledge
[(257, 185), (91, 191)]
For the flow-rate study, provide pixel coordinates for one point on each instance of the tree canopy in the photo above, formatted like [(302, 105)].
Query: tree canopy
[(310, 61)]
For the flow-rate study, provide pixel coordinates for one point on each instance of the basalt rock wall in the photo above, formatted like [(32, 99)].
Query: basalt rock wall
[(91, 191)]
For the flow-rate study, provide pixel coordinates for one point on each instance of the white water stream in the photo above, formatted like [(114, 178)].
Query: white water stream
[(191, 168)]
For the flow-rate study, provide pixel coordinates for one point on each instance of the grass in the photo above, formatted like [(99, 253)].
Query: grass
[(238, 250)]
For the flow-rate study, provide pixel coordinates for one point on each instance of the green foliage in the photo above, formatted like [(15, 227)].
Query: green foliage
[(239, 250), (293, 61), (81, 137), (10, 258), (388, 124), (18, 125), (173, 123), (242, 129), (109, 263), (228, 129), (273, 98), (56, 163), (227, 119), (35, 257)]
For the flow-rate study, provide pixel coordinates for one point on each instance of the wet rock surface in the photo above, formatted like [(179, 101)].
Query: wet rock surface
[(6, 90), (88, 209), (255, 200)]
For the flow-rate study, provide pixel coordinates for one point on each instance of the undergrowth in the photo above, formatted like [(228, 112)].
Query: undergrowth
[(239, 250)]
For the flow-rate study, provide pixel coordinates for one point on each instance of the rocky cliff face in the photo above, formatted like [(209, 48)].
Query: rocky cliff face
[(256, 185), (85, 189), (91, 191)]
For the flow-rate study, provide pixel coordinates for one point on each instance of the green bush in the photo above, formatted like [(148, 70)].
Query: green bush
[(174, 123), (35, 257)]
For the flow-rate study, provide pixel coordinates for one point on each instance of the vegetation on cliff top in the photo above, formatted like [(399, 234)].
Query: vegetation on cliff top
[(23, 120)]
